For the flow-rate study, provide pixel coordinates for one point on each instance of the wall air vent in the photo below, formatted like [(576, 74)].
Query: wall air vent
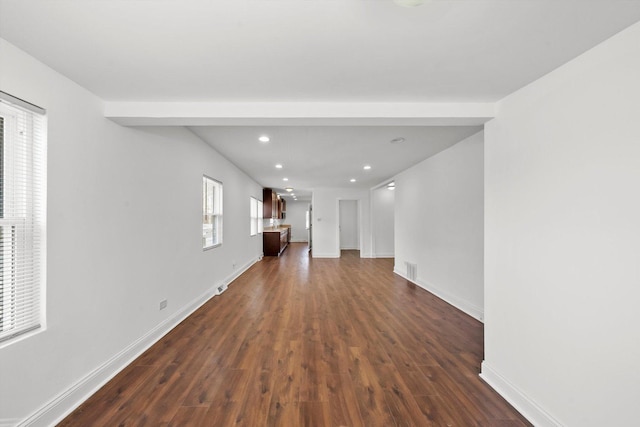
[(412, 271)]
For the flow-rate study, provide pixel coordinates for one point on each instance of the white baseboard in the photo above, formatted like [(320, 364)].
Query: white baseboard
[(315, 254), (9, 422), (63, 404), (240, 271), (525, 405), (459, 303), (385, 255)]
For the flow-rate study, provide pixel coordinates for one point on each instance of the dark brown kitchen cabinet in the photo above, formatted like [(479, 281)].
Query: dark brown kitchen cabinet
[(270, 204), (273, 206), (275, 241)]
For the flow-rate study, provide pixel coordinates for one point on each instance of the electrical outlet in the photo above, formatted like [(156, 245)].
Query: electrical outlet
[(163, 304)]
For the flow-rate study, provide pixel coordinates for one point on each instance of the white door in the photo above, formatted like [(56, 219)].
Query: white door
[(349, 236)]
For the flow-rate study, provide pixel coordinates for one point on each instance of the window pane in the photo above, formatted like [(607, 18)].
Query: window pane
[(211, 212), (22, 174), (253, 220)]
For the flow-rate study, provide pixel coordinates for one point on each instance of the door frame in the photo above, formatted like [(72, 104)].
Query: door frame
[(358, 225)]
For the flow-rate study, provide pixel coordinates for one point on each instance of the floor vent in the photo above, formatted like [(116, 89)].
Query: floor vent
[(412, 271), (221, 289)]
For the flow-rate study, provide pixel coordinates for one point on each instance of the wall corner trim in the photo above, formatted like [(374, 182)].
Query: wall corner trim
[(523, 403), (67, 401), (462, 305)]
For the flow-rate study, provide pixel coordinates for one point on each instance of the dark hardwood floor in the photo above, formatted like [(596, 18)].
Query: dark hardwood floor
[(297, 341)]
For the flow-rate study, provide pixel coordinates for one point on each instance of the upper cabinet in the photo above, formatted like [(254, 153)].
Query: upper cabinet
[(270, 203), (273, 205)]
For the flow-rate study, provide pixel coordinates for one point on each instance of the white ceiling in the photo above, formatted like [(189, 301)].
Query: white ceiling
[(312, 51), (288, 50), (315, 156)]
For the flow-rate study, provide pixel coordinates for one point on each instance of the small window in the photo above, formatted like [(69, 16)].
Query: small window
[(22, 217), (256, 216), (211, 213)]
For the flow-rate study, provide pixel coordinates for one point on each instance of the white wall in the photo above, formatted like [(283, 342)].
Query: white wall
[(296, 217), (382, 222), (326, 241), (348, 223), (124, 233), (563, 241), (439, 224)]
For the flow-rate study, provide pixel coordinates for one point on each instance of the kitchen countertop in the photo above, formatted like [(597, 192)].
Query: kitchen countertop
[(276, 229)]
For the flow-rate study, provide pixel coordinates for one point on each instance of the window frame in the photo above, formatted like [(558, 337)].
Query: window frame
[(253, 216), (212, 212), (23, 213), (255, 212)]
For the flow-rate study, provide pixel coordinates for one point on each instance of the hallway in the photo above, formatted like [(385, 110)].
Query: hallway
[(298, 341)]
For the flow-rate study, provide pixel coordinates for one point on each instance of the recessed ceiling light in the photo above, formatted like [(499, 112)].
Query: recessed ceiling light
[(352, 180), (264, 138), (289, 189), (285, 179), (391, 184), (278, 166), (391, 188), (398, 140), (367, 167)]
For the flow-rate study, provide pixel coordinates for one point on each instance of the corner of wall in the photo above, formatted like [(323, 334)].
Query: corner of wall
[(519, 400), (462, 305)]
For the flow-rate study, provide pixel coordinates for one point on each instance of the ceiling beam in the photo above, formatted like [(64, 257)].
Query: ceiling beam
[(298, 114)]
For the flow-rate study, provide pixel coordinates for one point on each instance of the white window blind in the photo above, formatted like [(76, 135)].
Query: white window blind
[(253, 203), (211, 213), (22, 216)]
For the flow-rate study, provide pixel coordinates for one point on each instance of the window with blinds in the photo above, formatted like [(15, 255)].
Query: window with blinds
[(253, 205), (260, 215), (256, 216), (211, 213), (22, 216)]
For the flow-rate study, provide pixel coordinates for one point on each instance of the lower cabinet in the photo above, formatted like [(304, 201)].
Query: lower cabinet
[(274, 242)]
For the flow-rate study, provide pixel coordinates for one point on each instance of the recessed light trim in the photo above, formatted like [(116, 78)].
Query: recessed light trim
[(278, 166), (264, 139), (285, 179), (352, 180), (367, 167)]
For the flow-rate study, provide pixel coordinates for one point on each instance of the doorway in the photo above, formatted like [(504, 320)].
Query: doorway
[(348, 225)]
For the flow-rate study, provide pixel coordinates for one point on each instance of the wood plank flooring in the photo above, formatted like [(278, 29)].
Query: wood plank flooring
[(297, 341)]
